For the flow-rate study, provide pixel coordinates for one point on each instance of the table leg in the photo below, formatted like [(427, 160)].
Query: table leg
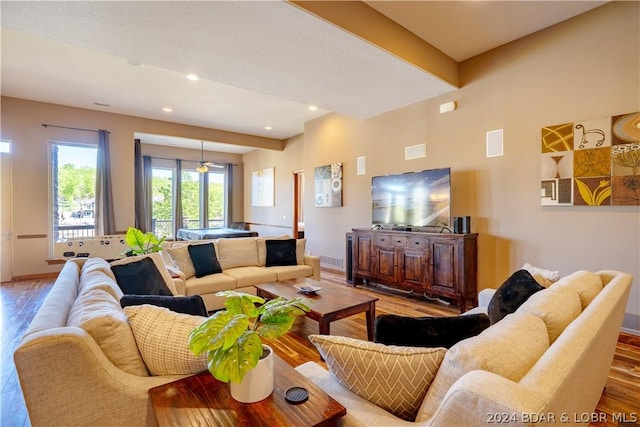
[(324, 326), (371, 315)]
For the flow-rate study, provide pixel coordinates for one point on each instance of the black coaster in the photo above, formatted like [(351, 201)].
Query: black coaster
[(296, 395)]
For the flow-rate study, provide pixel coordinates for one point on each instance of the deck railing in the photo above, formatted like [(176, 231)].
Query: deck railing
[(161, 227)]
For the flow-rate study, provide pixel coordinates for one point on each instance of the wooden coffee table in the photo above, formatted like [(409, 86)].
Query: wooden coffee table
[(332, 302), (201, 400)]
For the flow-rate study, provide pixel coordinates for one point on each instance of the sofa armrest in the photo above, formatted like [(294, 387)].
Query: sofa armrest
[(484, 398), (67, 380), (314, 262), (178, 278)]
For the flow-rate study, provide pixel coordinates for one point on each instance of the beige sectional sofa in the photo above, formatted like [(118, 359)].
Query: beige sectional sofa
[(78, 362), (243, 266), (547, 363)]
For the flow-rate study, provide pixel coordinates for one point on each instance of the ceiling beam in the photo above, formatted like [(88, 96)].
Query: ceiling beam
[(367, 23)]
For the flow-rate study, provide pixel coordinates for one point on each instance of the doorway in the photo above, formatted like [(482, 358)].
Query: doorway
[(298, 202), (6, 251)]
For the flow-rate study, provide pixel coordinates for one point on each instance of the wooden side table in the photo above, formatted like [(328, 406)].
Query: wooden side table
[(201, 400)]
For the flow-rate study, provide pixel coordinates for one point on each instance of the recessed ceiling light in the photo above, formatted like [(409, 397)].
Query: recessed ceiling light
[(313, 107), (192, 77), (268, 128), (167, 110)]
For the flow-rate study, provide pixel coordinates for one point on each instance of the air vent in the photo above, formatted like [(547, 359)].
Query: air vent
[(415, 151), (494, 143), (332, 262)]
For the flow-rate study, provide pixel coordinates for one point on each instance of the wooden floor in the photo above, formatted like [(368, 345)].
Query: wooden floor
[(20, 300)]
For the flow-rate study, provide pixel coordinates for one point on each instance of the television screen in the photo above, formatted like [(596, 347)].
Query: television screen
[(418, 199)]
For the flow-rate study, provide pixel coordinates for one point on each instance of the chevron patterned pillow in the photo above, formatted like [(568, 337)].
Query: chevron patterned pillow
[(395, 378)]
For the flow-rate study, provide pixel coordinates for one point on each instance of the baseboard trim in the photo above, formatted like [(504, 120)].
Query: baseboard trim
[(51, 275)]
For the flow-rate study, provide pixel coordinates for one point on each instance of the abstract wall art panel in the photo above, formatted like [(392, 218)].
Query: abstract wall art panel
[(328, 186), (592, 162)]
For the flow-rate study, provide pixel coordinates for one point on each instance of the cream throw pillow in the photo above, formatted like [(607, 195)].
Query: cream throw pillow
[(182, 260), (163, 339), (237, 252), (394, 378)]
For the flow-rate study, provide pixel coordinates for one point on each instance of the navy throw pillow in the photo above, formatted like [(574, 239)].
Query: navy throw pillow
[(188, 305), (140, 278), (204, 259), (391, 329), (512, 294), (281, 252)]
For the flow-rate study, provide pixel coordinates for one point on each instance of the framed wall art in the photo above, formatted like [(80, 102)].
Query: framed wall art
[(328, 186), (262, 187), (592, 162)]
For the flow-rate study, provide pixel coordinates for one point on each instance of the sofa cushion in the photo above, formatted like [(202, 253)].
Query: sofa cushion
[(281, 252), (391, 329), (557, 307), (586, 283), (96, 264), (163, 339), (301, 245), (392, 377), (143, 275), (96, 278), (544, 277), (209, 284), (512, 294), (187, 305), (292, 272), (509, 349), (180, 256), (237, 252), (204, 259), (249, 276), (100, 315)]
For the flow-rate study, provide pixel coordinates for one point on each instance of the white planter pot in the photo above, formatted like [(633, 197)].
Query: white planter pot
[(257, 384)]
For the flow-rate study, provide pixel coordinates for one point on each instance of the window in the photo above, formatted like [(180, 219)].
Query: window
[(73, 173), (191, 199), (203, 198), (162, 201), (216, 203)]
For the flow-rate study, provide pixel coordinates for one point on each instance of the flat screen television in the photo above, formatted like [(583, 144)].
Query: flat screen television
[(412, 199)]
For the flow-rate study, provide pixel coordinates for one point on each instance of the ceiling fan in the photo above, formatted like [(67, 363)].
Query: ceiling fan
[(203, 166)]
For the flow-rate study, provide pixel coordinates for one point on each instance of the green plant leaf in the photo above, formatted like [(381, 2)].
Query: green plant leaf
[(142, 243), (219, 331), (135, 240), (238, 302), (232, 364), (273, 326)]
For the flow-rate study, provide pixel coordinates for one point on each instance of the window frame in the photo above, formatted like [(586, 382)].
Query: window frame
[(53, 225)]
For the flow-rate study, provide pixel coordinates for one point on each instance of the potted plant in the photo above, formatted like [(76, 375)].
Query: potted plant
[(142, 243), (232, 341)]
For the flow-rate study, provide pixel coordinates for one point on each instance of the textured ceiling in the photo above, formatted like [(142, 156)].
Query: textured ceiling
[(260, 63)]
